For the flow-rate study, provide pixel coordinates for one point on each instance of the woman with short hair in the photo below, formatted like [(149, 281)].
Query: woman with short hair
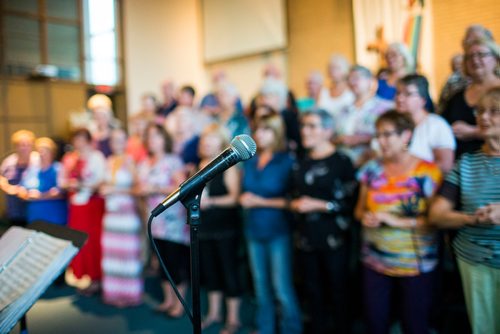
[(469, 201), (482, 66), (399, 248)]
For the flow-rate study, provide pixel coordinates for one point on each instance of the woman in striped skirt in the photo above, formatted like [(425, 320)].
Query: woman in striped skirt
[(122, 284)]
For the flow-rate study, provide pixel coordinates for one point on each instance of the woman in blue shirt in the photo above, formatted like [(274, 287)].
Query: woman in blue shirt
[(265, 185)]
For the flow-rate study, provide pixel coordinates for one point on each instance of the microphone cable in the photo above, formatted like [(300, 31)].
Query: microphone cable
[(188, 311)]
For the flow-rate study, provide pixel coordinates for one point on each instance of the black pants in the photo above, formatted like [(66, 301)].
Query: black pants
[(219, 265), (176, 259), (325, 274)]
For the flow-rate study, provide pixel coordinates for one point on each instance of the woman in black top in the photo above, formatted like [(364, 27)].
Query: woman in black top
[(482, 65), (219, 234), (323, 183)]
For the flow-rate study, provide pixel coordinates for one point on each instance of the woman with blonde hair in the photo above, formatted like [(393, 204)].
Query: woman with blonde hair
[(219, 234), (267, 227), (13, 170), (46, 200)]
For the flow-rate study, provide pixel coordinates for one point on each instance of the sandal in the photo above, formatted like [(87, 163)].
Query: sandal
[(162, 309), (92, 289), (175, 313), (230, 328)]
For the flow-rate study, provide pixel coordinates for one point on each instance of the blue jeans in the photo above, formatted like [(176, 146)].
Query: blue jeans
[(270, 262)]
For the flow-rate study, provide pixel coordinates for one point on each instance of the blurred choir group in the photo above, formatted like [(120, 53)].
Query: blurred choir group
[(368, 155)]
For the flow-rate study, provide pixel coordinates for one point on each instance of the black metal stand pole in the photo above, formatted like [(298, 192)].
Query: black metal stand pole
[(192, 205), (23, 325)]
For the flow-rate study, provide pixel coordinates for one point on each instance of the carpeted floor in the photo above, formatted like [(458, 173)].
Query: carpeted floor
[(62, 310)]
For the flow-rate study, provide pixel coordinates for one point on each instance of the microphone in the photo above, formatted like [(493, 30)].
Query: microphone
[(242, 148)]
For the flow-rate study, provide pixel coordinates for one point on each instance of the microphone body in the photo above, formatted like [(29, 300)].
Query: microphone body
[(242, 148)]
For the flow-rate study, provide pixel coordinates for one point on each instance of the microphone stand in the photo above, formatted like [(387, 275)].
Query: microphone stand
[(192, 204)]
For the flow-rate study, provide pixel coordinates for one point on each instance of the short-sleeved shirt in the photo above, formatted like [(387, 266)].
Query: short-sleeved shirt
[(352, 120), (14, 173), (397, 251), (432, 133), (171, 224), (53, 211), (475, 182), (334, 104)]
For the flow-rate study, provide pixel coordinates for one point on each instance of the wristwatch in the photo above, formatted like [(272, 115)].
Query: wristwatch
[(330, 206)]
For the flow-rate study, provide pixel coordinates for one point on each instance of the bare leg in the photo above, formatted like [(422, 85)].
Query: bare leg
[(214, 309), (177, 310), (233, 323), (168, 297)]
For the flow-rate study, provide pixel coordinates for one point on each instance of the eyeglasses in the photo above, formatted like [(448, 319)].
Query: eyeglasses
[(495, 112), (310, 125), (407, 94), (479, 55), (385, 134)]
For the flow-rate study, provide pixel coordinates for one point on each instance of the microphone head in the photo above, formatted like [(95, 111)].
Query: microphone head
[(245, 146)]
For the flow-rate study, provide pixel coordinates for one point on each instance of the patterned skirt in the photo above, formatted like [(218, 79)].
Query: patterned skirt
[(122, 283)]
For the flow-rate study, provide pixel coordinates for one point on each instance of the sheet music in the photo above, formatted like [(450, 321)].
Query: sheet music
[(29, 262)]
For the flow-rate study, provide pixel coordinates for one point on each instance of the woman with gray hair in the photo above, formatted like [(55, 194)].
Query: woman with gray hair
[(458, 81), (323, 185), (230, 114), (356, 122), (400, 62), (482, 66), (338, 95), (274, 93)]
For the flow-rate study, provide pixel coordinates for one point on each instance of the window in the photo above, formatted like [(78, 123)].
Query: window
[(101, 56), (60, 38)]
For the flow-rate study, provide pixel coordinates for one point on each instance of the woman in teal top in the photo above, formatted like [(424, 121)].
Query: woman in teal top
[(470, 201), (267, 230)]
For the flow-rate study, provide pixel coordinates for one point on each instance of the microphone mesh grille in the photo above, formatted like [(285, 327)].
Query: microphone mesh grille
[(245, 146)]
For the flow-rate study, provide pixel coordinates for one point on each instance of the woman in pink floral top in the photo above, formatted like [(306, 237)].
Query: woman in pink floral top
[(158, 175)]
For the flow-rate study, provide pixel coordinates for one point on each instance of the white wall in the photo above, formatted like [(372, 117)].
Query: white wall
[(163, 39)]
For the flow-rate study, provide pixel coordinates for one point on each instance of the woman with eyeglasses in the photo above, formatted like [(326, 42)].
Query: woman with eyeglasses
[(432, 137), (323, 184), (399, 248), (482, 66), (469, 200)]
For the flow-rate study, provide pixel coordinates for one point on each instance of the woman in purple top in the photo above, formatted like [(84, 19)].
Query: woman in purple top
[(265, 185)]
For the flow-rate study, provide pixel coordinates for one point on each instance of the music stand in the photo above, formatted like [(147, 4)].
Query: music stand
[(16, 310)]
